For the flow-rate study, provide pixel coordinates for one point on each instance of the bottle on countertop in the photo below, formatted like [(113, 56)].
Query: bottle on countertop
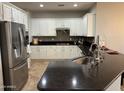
[(35, 41)]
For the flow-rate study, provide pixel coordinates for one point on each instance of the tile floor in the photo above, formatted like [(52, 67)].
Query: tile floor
[(35, 72)]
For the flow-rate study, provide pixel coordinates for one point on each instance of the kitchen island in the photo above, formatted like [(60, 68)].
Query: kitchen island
[(82, 74)]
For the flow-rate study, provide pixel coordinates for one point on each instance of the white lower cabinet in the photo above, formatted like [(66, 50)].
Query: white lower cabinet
[(116, 85), (43, 52), (55, 52), (51, 52), (35, 52)]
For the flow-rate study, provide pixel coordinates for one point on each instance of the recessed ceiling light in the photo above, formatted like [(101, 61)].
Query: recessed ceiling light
[(75, 5), (41, 5)]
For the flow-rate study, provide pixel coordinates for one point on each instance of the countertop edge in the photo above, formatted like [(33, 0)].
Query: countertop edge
[(113, 80)]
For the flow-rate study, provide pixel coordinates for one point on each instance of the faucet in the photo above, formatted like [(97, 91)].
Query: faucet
[(95, 49)]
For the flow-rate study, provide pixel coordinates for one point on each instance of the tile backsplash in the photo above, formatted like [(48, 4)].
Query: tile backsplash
[(70, 38), (64, 35)]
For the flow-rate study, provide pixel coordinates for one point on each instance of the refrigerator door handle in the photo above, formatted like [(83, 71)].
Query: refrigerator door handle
[(16, 54), (19, 67), (21, 38)]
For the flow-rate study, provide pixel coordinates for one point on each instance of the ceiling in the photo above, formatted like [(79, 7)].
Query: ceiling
[(53, 6)]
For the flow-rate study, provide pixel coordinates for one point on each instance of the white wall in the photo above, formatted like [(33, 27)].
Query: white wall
[(70, 14), (110, 24), (93, 9)]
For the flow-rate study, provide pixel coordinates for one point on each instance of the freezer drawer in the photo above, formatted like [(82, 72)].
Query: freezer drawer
[(19, 76)]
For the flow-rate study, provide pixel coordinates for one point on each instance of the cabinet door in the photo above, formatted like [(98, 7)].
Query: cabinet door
[(44, 27), (69, 53), (66, 22), (7, 12), (77, 51), (51, 27), (85, 27), (35, 52), (25, 21), (15, 15), (72, 52), (72, 28), (20, 17), (91, 25), (43, 52), (38, 52), (116, 85), (62, 52), (79, 27), (50, 52), (35, 27), (62, 23), (0, 11), (59, 23), (75, 29)]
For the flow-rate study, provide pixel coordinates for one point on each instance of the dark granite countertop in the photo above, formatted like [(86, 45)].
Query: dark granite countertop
[(81, 74), (54, 42)]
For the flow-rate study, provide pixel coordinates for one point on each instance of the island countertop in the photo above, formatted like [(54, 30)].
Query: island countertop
[(81, 74)]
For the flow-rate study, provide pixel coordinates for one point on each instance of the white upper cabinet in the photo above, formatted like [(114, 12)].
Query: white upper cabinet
[(11, 13), (25, 21), (76, 27), (15, 15), (6, 12), (62, 23), (35, 27), (59, 23), (44, 27), (67, 23), (20, 17), (89, 24), (0, 11), (51, 27)]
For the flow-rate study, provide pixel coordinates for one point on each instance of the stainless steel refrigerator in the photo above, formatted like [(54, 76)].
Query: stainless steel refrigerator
[(1, 73), (14, 55)]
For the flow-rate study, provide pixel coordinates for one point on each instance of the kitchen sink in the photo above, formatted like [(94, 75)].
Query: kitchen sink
[(82, 60)]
